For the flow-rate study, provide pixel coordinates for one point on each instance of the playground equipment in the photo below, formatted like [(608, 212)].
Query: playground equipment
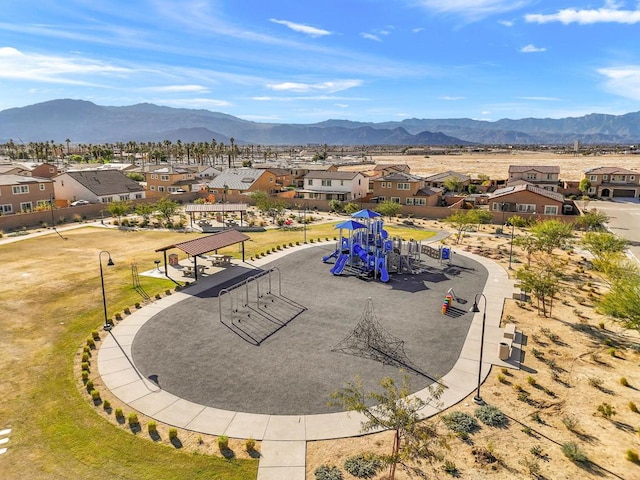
[(363, 246)]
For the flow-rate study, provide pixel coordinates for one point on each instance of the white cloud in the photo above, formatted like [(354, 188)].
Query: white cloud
[(450, 98), (540, 99), (609, 14), (18, 65), (300, 28), (342, 105), (417, 30), (473, 9), (178, 88), (532, 49), (371, 36), (328, 87), (623, 81), (506, 23)]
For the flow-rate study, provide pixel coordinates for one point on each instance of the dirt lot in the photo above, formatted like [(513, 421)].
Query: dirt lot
[(496, 165)]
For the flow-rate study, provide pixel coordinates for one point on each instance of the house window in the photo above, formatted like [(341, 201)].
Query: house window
[(593, 178), (525, 207), (42, 186), (342, 183), (549, 176), (153, 188), (124, 198), (164, 178), (408, 201), (550, 209), (6, 208), (403, 186), (310, 182), (270, 179), (395, 199), (25, 206), (160, 188), (497, 206), (326, 183), (632, 178), (591, 190), (382, 199), (605, 177), (531, 176), (154, 176), (19, 189), (52, 170), (138, 195), (416, 201), (106, 199)]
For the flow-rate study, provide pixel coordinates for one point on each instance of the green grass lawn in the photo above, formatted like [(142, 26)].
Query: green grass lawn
[(52, 300)]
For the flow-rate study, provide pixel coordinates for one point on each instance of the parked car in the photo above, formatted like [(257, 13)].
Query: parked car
[(78, 203)]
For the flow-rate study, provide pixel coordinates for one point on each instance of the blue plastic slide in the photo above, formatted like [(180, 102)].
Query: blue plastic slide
[(330, 256), (340, 263), (361, 252), (382, 268)]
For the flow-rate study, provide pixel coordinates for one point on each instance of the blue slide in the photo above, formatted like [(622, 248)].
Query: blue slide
[(340, 263), (361, 252), (382, 268), (330, 256)]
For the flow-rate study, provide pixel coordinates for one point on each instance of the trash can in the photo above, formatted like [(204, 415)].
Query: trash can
[(504, 351), (173, 259)]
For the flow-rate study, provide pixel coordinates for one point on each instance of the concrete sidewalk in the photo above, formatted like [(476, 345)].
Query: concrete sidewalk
[(284, 436)]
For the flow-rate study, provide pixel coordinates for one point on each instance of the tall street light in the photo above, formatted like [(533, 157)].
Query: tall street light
[(511, 246), (477, 398), (107, 325)]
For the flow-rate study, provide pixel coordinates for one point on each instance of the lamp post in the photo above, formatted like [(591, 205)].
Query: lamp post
[(477, 398), (511, 246), (304, 223), (107, 325)]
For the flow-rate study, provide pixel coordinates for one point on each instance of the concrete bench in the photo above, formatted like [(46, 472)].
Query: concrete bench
[(510, 331)]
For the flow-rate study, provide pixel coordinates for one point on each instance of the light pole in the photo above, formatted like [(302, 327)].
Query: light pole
[(304, 223), (107, 325), (511, 246), (477, 398)]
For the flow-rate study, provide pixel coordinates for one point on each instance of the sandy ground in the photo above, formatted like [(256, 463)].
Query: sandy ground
[(496, 165)]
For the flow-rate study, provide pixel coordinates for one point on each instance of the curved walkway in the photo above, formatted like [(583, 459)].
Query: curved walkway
[(284, 436)]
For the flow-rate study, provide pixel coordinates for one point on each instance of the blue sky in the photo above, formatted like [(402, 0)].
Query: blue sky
[(302, 61)]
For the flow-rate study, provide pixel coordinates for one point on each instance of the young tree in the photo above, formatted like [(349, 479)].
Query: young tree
[(462, 220), (388, 208), (335, 206), (395, 409), (118, 209), (603, 244), (622, 302), (351, 207), (268, 205), (453, 184), (552, 234), (145, 210), (543, 281), (584, 186), (166, 209), (592, 220)]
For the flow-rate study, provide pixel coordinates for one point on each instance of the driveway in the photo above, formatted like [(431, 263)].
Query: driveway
[(624, 220)]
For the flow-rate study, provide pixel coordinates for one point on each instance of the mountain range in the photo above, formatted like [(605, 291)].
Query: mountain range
[(81, 121)]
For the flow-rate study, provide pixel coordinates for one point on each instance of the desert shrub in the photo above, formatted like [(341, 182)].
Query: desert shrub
[(531, 466), (571, 422), (502, 378), (119, 413), (326, 472), (460, 422), (95, 394), (95, 334), (152, 427), (85, 357), (491, 415), (531, 380), (573, 452), (89, 385), (633, 407), (132, 418), (250, 444), (173, 433), (91, 342), (527, 430), (596, 382), (449, 467), (127, 311), (535, 416), (537, 450), (606, 410), (632, 456), (85, 375), (363, 466), (223, 442), (85, 366), (106, 404), (624, 382)]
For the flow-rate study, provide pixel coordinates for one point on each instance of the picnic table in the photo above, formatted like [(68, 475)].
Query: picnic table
[(219, 259)]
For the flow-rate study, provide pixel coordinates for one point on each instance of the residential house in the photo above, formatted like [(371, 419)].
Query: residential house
[(440, 179), (21, 193), (546, 177), (405, 189), (299, 171), (284, 177), (169, 179), (243, 180), (342, 186), (528, 199), (30, 169), (97, 186), (383, 169), (609, 182)]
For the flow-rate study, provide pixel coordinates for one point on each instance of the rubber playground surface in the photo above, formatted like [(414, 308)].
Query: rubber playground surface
[(281, 358)]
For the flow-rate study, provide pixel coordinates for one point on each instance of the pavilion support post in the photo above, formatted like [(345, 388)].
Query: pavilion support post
[(166, 269), (243, 252)]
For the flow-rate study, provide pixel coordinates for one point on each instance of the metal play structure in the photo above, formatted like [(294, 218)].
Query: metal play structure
[(254, 309), (365, 249)]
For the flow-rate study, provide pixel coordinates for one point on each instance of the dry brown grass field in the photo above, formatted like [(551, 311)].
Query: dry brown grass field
[(496, 165)]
